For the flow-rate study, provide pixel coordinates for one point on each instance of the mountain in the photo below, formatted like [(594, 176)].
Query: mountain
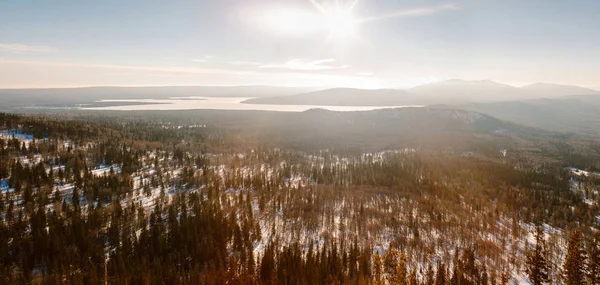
[(454, 90), (555, 90), (573, 114), (437, 128), (341, 97), (87, 95), (444, 92)]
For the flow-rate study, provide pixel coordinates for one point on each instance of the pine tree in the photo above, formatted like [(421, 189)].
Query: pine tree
[(574, 267), (395, 267), (593, 265), (537, 266), (430, 275), (412, 278), (484, 276), (504, 278), (377, 269), (267, 266), (440, 278)]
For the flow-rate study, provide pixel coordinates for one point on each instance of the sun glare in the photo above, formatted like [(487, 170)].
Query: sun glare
[(340, 23), (291, 22)]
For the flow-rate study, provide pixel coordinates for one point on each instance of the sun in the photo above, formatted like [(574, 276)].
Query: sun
[(337, 20)]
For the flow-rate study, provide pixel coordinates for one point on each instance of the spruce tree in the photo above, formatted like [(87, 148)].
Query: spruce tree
[(440, 278), (377, 268), (536, 265), (412, 278), (430, 275), (574, 267), (395, 266), (593, 264)]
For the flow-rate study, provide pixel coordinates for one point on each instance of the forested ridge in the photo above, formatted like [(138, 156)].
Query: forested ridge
[(134, 202)]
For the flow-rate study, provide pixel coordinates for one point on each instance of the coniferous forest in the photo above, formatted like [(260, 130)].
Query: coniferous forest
[(95, 200)]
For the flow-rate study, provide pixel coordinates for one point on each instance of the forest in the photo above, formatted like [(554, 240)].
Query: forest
[(93, 200)]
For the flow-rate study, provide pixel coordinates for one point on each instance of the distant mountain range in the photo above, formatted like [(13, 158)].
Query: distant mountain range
[(341, 97), (555, 90), (553, 107), (87, 95), (445, 92)]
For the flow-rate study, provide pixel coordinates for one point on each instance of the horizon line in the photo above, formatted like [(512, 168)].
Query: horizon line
[(321, 87)]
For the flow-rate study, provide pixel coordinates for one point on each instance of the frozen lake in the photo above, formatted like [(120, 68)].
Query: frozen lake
[(221, 103)]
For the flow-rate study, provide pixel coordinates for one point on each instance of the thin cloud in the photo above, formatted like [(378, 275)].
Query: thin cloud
[(305, 65), (21, 48), (416, 12), (248, 63), (60, 74), (292, 66), (165, 69)]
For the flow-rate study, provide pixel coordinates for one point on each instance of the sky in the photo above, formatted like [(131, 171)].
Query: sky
[(344, 43)]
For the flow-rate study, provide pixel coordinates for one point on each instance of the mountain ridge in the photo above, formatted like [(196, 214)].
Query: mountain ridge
[(453, 91)]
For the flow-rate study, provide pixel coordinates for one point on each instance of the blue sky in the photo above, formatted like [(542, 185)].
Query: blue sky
[(376, 44)]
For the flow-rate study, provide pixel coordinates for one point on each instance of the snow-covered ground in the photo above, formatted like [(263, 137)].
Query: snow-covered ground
[(580, 172), (105, 170)]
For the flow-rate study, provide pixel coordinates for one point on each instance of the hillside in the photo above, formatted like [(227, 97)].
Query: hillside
[(554, 90), (445, 92), (571, 114), (152, 201)]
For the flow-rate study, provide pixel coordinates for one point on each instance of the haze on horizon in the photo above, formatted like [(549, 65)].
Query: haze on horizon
[(345, 43)]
